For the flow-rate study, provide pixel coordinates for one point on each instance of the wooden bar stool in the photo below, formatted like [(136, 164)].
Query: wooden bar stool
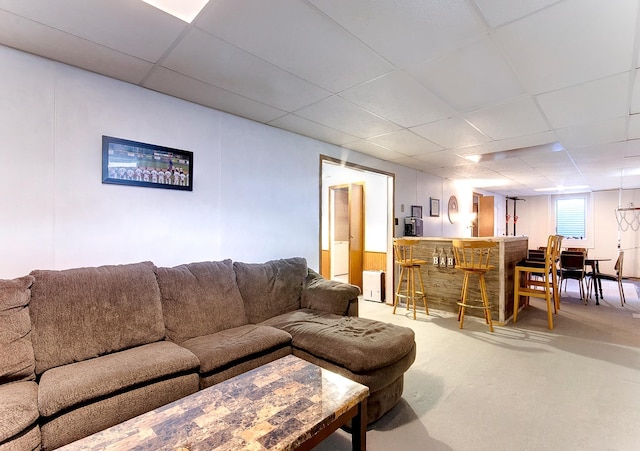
[(409, 267), (473, 258)]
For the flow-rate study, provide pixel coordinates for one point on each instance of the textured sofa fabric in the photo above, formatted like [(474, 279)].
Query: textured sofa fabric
[(98, 344), (329, 296), (120, 406), (200, 299), (18, 416), (347, 341), (103, 309), (373, 353), (204, 313), (91, 380), (271, 288), (18, 392), (16, 352), (219, 353)]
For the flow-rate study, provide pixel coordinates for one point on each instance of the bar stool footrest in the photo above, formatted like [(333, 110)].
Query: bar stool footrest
[(483, 307)]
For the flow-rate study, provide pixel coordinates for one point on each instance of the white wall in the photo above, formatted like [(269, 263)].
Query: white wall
[(255, 188)]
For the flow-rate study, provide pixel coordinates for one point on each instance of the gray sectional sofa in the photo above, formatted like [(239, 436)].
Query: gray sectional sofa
[(84, 349)]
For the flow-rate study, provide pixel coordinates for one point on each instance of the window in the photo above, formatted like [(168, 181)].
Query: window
[(571, 213)]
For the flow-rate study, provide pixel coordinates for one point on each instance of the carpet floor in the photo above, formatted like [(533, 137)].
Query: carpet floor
[(523, 387)]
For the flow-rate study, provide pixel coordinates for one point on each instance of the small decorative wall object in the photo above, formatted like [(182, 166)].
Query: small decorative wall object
[(134, 163), (435, 207), (416, 211), (453, 209)]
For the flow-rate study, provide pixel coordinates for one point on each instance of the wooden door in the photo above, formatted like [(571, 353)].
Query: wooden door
[(485, 216), (356, 233)]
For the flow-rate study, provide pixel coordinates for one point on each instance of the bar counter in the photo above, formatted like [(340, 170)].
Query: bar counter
[(443, 282)]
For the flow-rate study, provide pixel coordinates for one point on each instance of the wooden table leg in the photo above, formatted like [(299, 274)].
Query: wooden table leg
[(359, 428)]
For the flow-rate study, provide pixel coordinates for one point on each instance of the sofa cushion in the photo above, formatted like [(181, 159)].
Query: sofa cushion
[(108, 411), (218, 351), (327, 295), (271, 288), (89, 380), (359, 344), (78, 314), (200, 299), (18, 408), (16, 351)]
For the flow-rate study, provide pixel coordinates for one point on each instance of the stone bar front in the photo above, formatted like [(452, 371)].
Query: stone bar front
[(443, 282)]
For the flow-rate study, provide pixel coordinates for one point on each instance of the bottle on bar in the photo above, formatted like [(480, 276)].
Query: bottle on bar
[(450, 259), (443, 258)]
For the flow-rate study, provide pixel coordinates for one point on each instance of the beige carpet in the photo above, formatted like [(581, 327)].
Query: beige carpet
[(523, 387)]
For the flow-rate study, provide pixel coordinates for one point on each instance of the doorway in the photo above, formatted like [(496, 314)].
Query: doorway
[(346, 232), (356, 221)]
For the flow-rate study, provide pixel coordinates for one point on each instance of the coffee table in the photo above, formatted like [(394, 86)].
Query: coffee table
[(284, 405)]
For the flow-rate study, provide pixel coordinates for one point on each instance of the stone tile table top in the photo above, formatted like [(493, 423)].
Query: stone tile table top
[(284, 405)]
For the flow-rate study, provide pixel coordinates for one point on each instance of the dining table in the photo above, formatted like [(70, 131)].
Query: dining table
[(594, 263)]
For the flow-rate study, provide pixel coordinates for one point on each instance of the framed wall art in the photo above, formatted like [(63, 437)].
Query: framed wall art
[(126, 162), (434, 209), (416, 211)]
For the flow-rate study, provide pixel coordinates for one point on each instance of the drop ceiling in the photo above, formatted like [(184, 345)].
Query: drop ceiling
[(512, 97)]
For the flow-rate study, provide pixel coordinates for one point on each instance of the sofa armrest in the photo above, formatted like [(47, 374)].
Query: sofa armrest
[(329, 296)]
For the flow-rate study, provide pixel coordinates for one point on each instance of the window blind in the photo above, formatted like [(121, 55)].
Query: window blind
[(570, 218)]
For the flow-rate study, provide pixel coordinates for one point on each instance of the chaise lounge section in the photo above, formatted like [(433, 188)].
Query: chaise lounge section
[(92, 347)]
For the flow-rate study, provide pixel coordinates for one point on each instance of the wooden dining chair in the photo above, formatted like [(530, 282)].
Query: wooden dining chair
[(545, 285)]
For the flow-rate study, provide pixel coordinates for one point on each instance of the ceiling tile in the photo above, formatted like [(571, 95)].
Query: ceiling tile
[(601, 156), (607, 131), (551, 160), (443, 158), (469, 77), (209, 59), (475, 170), (399, 98), (507, 165), (265, 29), (631, 148), (337, 113), (511, 119), (374, 150), (411, 162), (571, 42), (312, 129), (530, 178), (594, 101), (451, 133), (406, 31), (52, 43), (178, 85), (635, 94), (406, 143), (142, 30), (499, 12), (634, 127), (519, 142)]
